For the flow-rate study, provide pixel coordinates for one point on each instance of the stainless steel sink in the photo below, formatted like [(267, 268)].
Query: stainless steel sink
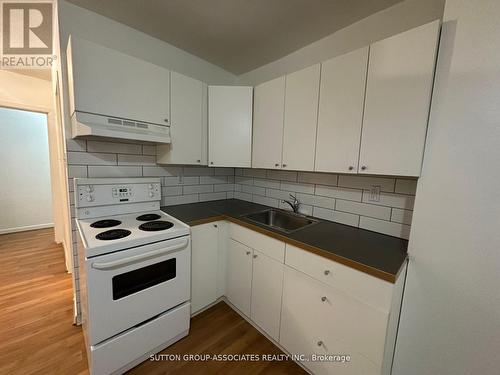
[(281, 220)]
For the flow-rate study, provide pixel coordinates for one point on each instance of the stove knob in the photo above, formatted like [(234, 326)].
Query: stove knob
[(151, 194), (90, 198), (151, 186), (89, 188)]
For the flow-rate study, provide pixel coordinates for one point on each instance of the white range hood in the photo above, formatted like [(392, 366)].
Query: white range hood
[(116, 95), (86, 124)]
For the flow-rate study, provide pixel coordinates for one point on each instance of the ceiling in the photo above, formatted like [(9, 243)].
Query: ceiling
[(237, 35)]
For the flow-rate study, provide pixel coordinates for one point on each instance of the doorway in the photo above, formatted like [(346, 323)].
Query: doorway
[(25, 191)]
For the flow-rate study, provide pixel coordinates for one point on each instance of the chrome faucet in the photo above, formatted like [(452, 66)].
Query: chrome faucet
[(294, 203)]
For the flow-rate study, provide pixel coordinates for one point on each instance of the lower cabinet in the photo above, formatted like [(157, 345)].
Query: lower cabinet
[(339, 320), (204, 265), (319, 320), (239, 276), (267, 285)]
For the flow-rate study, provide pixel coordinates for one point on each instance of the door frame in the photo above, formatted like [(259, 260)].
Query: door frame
[(58, 176)]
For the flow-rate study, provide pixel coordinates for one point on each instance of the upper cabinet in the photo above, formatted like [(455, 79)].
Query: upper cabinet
[(366, 112), (301, 115), (116, 95), (340, 115), (398, 92), (188, 128), (230, 126), (269, 107)]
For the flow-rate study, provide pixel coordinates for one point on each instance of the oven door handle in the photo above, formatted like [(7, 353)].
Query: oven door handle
[(139, 257)]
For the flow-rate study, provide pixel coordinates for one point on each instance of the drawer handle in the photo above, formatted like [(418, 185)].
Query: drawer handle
[(248, 252), (327, 272), (323, 299), (255, 256), (320, 343), (215, 225)]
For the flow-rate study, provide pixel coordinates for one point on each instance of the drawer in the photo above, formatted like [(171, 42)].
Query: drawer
[(267, 245), (118, 352), (366, 288), (316, 313)]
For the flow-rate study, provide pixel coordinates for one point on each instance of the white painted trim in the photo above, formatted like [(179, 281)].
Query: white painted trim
[(26, 228)]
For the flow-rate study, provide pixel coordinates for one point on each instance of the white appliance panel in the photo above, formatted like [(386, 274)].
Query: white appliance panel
[(114, 304)]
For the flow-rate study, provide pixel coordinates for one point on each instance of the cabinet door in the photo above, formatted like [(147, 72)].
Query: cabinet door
[(398, 93), (107, 82), (239, 276), (230, 126), (267, 287), (317, 319), (269, 103), (301, 115), (204, 265), (340, 116), (186, 128)]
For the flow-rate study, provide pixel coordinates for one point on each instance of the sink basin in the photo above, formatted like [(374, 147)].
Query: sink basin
[(281, 220)]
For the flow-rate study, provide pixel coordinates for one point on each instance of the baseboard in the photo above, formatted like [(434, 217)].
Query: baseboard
[(26, 228), (220, 299)]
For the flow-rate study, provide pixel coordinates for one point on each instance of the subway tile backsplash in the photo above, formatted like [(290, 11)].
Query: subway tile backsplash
[(345, 199)]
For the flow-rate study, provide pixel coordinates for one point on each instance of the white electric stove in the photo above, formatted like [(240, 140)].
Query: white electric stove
[(134, 263)]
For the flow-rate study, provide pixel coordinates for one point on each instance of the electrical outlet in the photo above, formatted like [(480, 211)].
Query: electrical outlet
[(374, 193)]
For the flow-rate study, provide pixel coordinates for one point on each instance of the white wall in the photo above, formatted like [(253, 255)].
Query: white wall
[(393, 20), (25, 191), (18, 90), (451, 310), (99, 29)]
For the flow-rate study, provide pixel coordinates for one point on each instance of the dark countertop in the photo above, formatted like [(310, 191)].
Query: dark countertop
[(376, 254)]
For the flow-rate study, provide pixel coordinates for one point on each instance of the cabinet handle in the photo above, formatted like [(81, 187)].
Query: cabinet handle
[(327, 272), (320, 343), (248, 252), (277, 164), (166, 120), (284, 165), (211, 162), (255, 256), (323, 299), (363, 167), (215, 225), (198, 161), (351, 167)]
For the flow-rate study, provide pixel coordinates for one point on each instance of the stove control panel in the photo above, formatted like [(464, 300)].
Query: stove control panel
[(103, 194)]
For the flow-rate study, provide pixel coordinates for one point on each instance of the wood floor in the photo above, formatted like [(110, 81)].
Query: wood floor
[(37, 335)]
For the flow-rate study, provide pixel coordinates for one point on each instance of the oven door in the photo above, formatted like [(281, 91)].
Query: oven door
[(128, 287)]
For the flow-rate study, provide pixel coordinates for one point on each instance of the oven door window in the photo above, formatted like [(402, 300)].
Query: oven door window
[(134, 281)]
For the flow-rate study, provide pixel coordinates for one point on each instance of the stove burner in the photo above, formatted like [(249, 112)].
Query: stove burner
[(148, 217), (106, 223), (113, 234), (152, 226)]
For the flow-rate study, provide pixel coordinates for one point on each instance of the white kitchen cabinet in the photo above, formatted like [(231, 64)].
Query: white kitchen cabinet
[(267, 284), (269, 106), (230, 126), (318, 319), (107, 82), (204, 265), (187, 132), (342, 94), (398, 93), (301, 115), (239, 276)]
